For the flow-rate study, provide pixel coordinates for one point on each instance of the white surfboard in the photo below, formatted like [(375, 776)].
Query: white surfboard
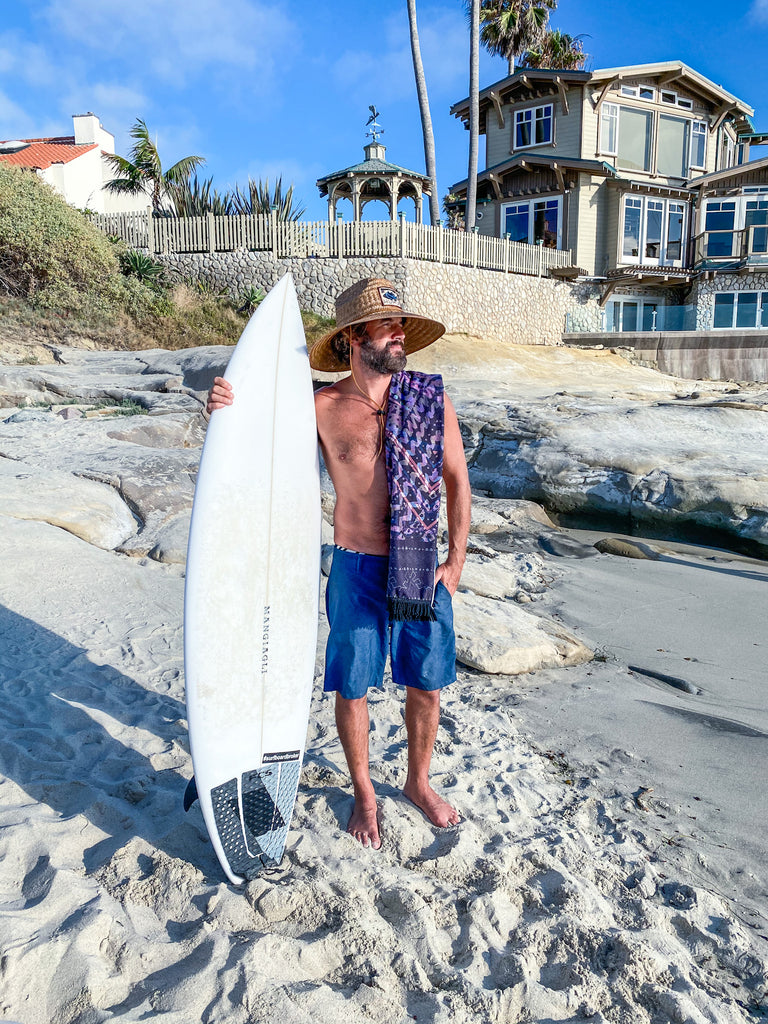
[(251, 597)]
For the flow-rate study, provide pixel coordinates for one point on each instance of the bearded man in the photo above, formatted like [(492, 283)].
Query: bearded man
[(389, 438)]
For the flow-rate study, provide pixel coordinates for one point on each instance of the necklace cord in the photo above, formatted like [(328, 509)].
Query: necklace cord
[(381, 411)]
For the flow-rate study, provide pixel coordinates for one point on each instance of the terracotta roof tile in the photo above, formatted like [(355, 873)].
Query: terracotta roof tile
[(41, 153)]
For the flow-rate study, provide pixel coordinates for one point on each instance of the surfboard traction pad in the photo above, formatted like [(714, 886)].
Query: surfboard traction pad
[(255, 839)]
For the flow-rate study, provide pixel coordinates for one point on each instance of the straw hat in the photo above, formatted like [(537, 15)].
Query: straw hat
[(372, 299)]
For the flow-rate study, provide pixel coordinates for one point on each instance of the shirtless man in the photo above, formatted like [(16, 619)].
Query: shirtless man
[(372, 338)]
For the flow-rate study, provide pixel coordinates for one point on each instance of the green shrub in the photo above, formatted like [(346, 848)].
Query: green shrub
[(138, 264), (47, 246)]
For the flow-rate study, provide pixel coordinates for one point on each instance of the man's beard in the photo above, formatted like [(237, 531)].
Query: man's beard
[(383, 361)]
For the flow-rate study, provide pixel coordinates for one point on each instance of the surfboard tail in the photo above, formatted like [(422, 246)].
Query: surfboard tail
[(252, 819)]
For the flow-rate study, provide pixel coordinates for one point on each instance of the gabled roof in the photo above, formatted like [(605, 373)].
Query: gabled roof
[(41, 153), (535, 82), (754, 167)]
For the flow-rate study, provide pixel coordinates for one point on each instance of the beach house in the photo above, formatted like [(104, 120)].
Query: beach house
[(642, 172), (75, 165)]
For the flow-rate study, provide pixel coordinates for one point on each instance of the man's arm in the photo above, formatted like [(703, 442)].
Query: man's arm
[(458, 501)]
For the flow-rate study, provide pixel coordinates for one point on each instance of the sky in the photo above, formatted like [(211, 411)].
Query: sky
[(260, 88)]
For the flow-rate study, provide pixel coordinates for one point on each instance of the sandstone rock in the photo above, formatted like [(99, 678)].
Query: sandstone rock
[(627, 548), (91, 511), (171, 544), (498, 637)]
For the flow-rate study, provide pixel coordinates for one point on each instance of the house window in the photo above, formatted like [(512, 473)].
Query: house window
[(534, 220), (653, 231), (627, 133), (741, 309), (675, 219), (533, 127), (634, 314), (639, 92), (720, 223), (674, 140), (609, 128), (699, 133), (635, 139), (756, 218)]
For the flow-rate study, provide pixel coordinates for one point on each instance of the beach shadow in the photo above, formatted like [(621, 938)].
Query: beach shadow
[(756, 575), (74, 736)]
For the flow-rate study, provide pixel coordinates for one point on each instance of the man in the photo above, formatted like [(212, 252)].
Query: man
[(388, 437)]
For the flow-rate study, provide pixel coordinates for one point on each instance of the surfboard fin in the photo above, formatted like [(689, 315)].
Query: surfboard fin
[(190, 793)]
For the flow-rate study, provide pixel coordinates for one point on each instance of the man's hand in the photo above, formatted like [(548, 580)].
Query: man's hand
[(220, 395), (449, 575)]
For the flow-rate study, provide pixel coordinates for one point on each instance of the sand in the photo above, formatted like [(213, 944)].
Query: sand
[(610, 865)]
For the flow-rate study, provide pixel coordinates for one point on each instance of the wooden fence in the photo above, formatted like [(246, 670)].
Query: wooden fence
[(325, 239)]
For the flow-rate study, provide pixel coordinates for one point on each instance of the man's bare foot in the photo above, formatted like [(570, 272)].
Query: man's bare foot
[(364, 823), (438, 811)]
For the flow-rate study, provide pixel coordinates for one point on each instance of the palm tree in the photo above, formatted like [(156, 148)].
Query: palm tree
[(511, 27), (558, 51), (474, 111), (426, 119), (143, 172)]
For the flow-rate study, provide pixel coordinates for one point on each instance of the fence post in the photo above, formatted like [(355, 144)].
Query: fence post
[(540, 243), (150, 233), (273, 230), (440, 238), (211, 232), (506, 253), (475, 245), (402, 235)]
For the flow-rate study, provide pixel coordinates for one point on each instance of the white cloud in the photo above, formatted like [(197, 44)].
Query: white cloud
[(176, 41), (387, 72)]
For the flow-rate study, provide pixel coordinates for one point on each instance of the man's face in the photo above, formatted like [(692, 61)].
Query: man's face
[(382, 347)]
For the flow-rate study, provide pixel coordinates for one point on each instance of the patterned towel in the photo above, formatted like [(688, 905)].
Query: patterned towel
[(414, 459)]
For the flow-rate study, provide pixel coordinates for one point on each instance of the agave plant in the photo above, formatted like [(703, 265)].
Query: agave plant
[(138, 264), (250, 299), (195, 198), (259, 198)]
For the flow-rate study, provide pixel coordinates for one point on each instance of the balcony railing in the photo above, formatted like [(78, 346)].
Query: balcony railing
[(743, 246)]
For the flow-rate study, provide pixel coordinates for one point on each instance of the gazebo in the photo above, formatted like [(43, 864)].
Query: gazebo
[(374, 178)]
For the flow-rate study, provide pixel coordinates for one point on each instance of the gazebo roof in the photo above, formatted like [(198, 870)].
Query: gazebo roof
[(373, 165)]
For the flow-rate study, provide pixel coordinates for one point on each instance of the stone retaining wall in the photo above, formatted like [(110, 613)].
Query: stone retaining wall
[(511, 308)]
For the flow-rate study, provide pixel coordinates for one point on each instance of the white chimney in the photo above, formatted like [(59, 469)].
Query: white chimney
[(87, 128)]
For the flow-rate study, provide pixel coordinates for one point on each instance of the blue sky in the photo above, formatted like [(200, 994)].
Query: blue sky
[(260, 88)]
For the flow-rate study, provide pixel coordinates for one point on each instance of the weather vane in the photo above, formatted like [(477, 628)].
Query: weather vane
[(376, 129)]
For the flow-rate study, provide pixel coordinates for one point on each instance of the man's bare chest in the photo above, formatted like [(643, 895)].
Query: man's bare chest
[(355, 437)]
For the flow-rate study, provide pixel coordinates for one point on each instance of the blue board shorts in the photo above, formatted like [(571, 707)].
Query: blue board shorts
[(422, 654)]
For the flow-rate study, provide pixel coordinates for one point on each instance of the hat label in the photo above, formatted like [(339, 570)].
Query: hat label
[(389, 297)]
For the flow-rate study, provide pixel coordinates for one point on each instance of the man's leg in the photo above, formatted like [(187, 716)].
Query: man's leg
[(422, 714), (353, 725)]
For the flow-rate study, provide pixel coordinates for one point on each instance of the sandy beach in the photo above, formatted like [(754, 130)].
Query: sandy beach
[(611, 865)]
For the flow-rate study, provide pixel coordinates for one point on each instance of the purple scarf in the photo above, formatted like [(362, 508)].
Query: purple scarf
[(414, 459)]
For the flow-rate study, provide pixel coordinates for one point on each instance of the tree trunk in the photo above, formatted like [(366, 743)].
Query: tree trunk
[(426, 119), (474, 113)]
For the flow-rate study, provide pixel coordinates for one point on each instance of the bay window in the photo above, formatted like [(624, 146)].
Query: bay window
[(653, 231)]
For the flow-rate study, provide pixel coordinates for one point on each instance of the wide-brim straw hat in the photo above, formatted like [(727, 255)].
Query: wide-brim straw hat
[(372, 299)]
